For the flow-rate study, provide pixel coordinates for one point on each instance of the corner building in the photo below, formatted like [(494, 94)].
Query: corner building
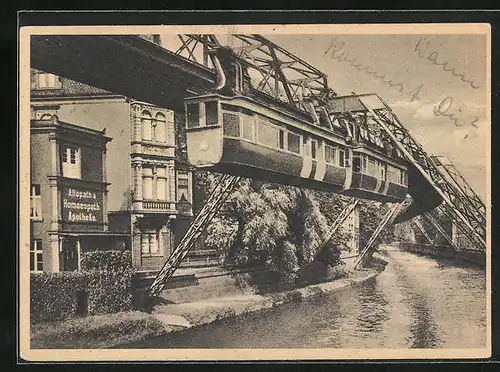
[(149, 186), (68, 192)]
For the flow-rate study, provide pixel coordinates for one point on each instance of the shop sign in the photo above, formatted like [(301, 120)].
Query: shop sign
[(82, 205)]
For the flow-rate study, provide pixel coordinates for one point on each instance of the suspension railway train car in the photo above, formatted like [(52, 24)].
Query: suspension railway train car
[(240, 136)]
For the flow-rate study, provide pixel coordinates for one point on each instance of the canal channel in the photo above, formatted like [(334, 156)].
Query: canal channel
[(417, 302)]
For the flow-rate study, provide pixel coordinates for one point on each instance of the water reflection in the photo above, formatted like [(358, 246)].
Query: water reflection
[(417, 302), (423, 328), (373, 310)]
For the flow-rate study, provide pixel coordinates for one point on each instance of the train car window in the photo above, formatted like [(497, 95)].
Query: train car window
[(372, 168), (341, 158), (402, 177), (267, 135), (314, 145), (392, 174), (247, 127), (356, 164), (306, 147), (330, 154), (382, 171), (211, 113), (293, 142), (281, 139), (193, 115), (231, 124)]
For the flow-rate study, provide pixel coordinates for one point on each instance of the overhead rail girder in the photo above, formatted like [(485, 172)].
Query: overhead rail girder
[(123, 64)]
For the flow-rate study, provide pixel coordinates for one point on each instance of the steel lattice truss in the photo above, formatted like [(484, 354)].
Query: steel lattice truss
[(421, 228), (387, 220), (216, 199), (475, 204), (376, 123), (273, 70), (348, 114), (459, 206), (346, 211), (440, 229)]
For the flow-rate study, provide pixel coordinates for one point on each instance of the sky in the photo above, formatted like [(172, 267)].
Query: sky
[(419, 86)]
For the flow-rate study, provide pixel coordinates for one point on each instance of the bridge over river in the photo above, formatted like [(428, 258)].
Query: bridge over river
[(417, 302)]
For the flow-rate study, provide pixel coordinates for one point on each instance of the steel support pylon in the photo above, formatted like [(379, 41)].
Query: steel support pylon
[(459, 203), (216, 199), (438, 227), (348, 208), (388, 219), (419, 225)]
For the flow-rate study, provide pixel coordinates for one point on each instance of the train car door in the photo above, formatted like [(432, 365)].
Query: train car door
[(307, 162), (320, 160), (348, 168), (383, 175), (378, 175), (314, 156)]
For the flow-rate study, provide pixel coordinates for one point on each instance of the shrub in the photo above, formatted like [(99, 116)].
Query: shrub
[(110, 280), (336, 272), (54, 296), (99, 331), (109, 291), (57, 296), (97, 260), (314, 272)]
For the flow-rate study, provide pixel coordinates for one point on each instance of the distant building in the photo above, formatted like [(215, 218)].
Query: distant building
[(351, 227), (149, 196), (460, 239)]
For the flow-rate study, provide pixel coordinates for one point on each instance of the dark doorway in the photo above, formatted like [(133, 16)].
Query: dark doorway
[(82, 301), (70, 255)]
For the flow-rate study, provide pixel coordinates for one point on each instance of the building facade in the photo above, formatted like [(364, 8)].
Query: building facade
[(149, 187), (350, 227), (68, 191)]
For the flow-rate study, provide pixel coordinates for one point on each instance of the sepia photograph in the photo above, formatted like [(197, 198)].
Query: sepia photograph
[(254, 192)]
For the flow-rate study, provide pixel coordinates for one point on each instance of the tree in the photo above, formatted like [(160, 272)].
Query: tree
[(280, 226), (370, 216)]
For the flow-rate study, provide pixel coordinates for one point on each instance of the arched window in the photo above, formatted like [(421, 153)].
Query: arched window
[(146, 125), (161, 127)]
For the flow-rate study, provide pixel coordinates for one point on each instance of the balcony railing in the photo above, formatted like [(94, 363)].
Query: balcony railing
[(163, 206), (158, 205)]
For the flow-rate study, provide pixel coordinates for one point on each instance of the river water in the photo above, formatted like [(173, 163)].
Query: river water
[(417, 302)]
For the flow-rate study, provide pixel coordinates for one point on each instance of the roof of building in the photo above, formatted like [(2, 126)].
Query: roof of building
[(54, 124)]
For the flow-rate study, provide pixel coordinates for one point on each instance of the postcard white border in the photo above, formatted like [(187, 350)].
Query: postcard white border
[(224, 354)]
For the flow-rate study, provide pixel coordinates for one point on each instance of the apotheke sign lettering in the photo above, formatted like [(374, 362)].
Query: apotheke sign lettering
[(81, 205)]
